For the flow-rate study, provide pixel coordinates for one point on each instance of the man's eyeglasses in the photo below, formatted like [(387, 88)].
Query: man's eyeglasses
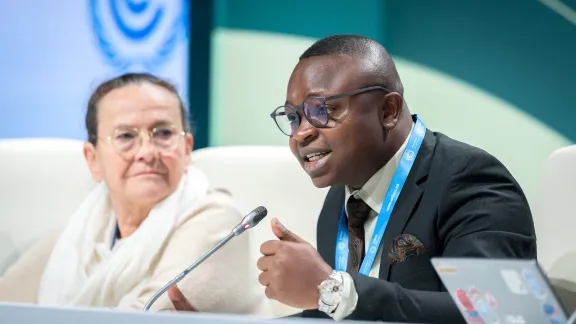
[(128, 140), (314, 109)]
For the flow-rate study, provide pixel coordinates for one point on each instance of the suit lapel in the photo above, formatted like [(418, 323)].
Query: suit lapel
[(408, 199), (327, 230)]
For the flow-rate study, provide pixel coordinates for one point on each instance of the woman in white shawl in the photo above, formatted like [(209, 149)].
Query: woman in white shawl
[(151, 215)]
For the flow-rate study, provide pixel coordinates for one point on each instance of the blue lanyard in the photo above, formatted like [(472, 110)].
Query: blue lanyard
[(390, 199)]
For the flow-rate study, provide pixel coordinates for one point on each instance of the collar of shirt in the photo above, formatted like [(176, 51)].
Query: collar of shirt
[(373, 191)]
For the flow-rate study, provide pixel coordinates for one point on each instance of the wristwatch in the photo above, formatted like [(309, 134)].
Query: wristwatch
[(330, 292)]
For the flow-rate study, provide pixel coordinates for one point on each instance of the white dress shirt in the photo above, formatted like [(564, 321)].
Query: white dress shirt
[(372, 193)]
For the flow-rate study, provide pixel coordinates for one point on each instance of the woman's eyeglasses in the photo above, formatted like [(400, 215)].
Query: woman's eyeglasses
[(128, 140)]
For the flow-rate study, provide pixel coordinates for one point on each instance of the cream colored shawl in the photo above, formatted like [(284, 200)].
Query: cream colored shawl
[(84, 271)]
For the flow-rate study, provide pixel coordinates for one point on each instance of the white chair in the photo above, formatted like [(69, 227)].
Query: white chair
[(269, 176), (555, 222), (42, 182)]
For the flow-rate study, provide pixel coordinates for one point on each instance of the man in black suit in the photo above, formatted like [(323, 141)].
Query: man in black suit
[(457, 200), (350, 128)]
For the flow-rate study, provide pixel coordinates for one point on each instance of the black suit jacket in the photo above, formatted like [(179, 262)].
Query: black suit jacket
[(459, 201)]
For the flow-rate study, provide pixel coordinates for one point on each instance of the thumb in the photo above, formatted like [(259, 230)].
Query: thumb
[(180, 302), (283, 234)]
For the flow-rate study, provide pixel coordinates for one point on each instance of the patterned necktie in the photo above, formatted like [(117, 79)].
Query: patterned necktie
[(358, 212)]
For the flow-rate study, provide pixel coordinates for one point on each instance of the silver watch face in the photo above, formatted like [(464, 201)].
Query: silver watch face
[(331, 292)]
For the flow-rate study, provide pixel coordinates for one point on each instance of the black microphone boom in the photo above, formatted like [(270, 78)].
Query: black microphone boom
[(249, 221)]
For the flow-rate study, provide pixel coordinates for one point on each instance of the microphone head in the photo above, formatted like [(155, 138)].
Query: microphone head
[(250, 220), (255, 216)]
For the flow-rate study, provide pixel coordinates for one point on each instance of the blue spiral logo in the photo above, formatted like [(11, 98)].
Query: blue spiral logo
[(139, 34)]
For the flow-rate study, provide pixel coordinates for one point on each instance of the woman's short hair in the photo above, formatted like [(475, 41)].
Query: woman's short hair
[(119, 82)]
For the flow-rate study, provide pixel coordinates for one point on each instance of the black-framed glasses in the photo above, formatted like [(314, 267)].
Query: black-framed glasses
[(314, 109)]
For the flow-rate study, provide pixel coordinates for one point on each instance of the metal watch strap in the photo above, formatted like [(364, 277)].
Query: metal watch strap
[(329, 309)]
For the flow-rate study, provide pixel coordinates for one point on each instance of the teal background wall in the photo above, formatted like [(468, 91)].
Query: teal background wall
[(521, 51), (201, 23), (496, 74)]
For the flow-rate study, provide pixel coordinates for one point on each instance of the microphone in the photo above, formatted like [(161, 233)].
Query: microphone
[(249, 221)]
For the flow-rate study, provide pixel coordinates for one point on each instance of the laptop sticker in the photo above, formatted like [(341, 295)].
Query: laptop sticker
[(553, 313), (515, 319), (464, 300), (446, 269), (534, 284), (474, 319), (483, 306), (470, 313), (486, 312), (491, 300), (514, 282)]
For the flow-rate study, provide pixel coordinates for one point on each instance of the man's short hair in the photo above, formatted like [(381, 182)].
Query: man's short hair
[(360, 48), (351, 45)]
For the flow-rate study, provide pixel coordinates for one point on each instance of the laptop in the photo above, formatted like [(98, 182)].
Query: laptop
[(490, 291)]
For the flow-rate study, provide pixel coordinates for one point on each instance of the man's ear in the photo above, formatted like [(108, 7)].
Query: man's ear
[(391, 110), (92, 161)]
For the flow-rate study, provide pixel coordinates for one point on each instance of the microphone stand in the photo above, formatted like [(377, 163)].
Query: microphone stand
[(249, 221), (184, 273)]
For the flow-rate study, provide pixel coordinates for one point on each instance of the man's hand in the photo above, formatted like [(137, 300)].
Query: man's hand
[(180, 302), (292, 269)]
